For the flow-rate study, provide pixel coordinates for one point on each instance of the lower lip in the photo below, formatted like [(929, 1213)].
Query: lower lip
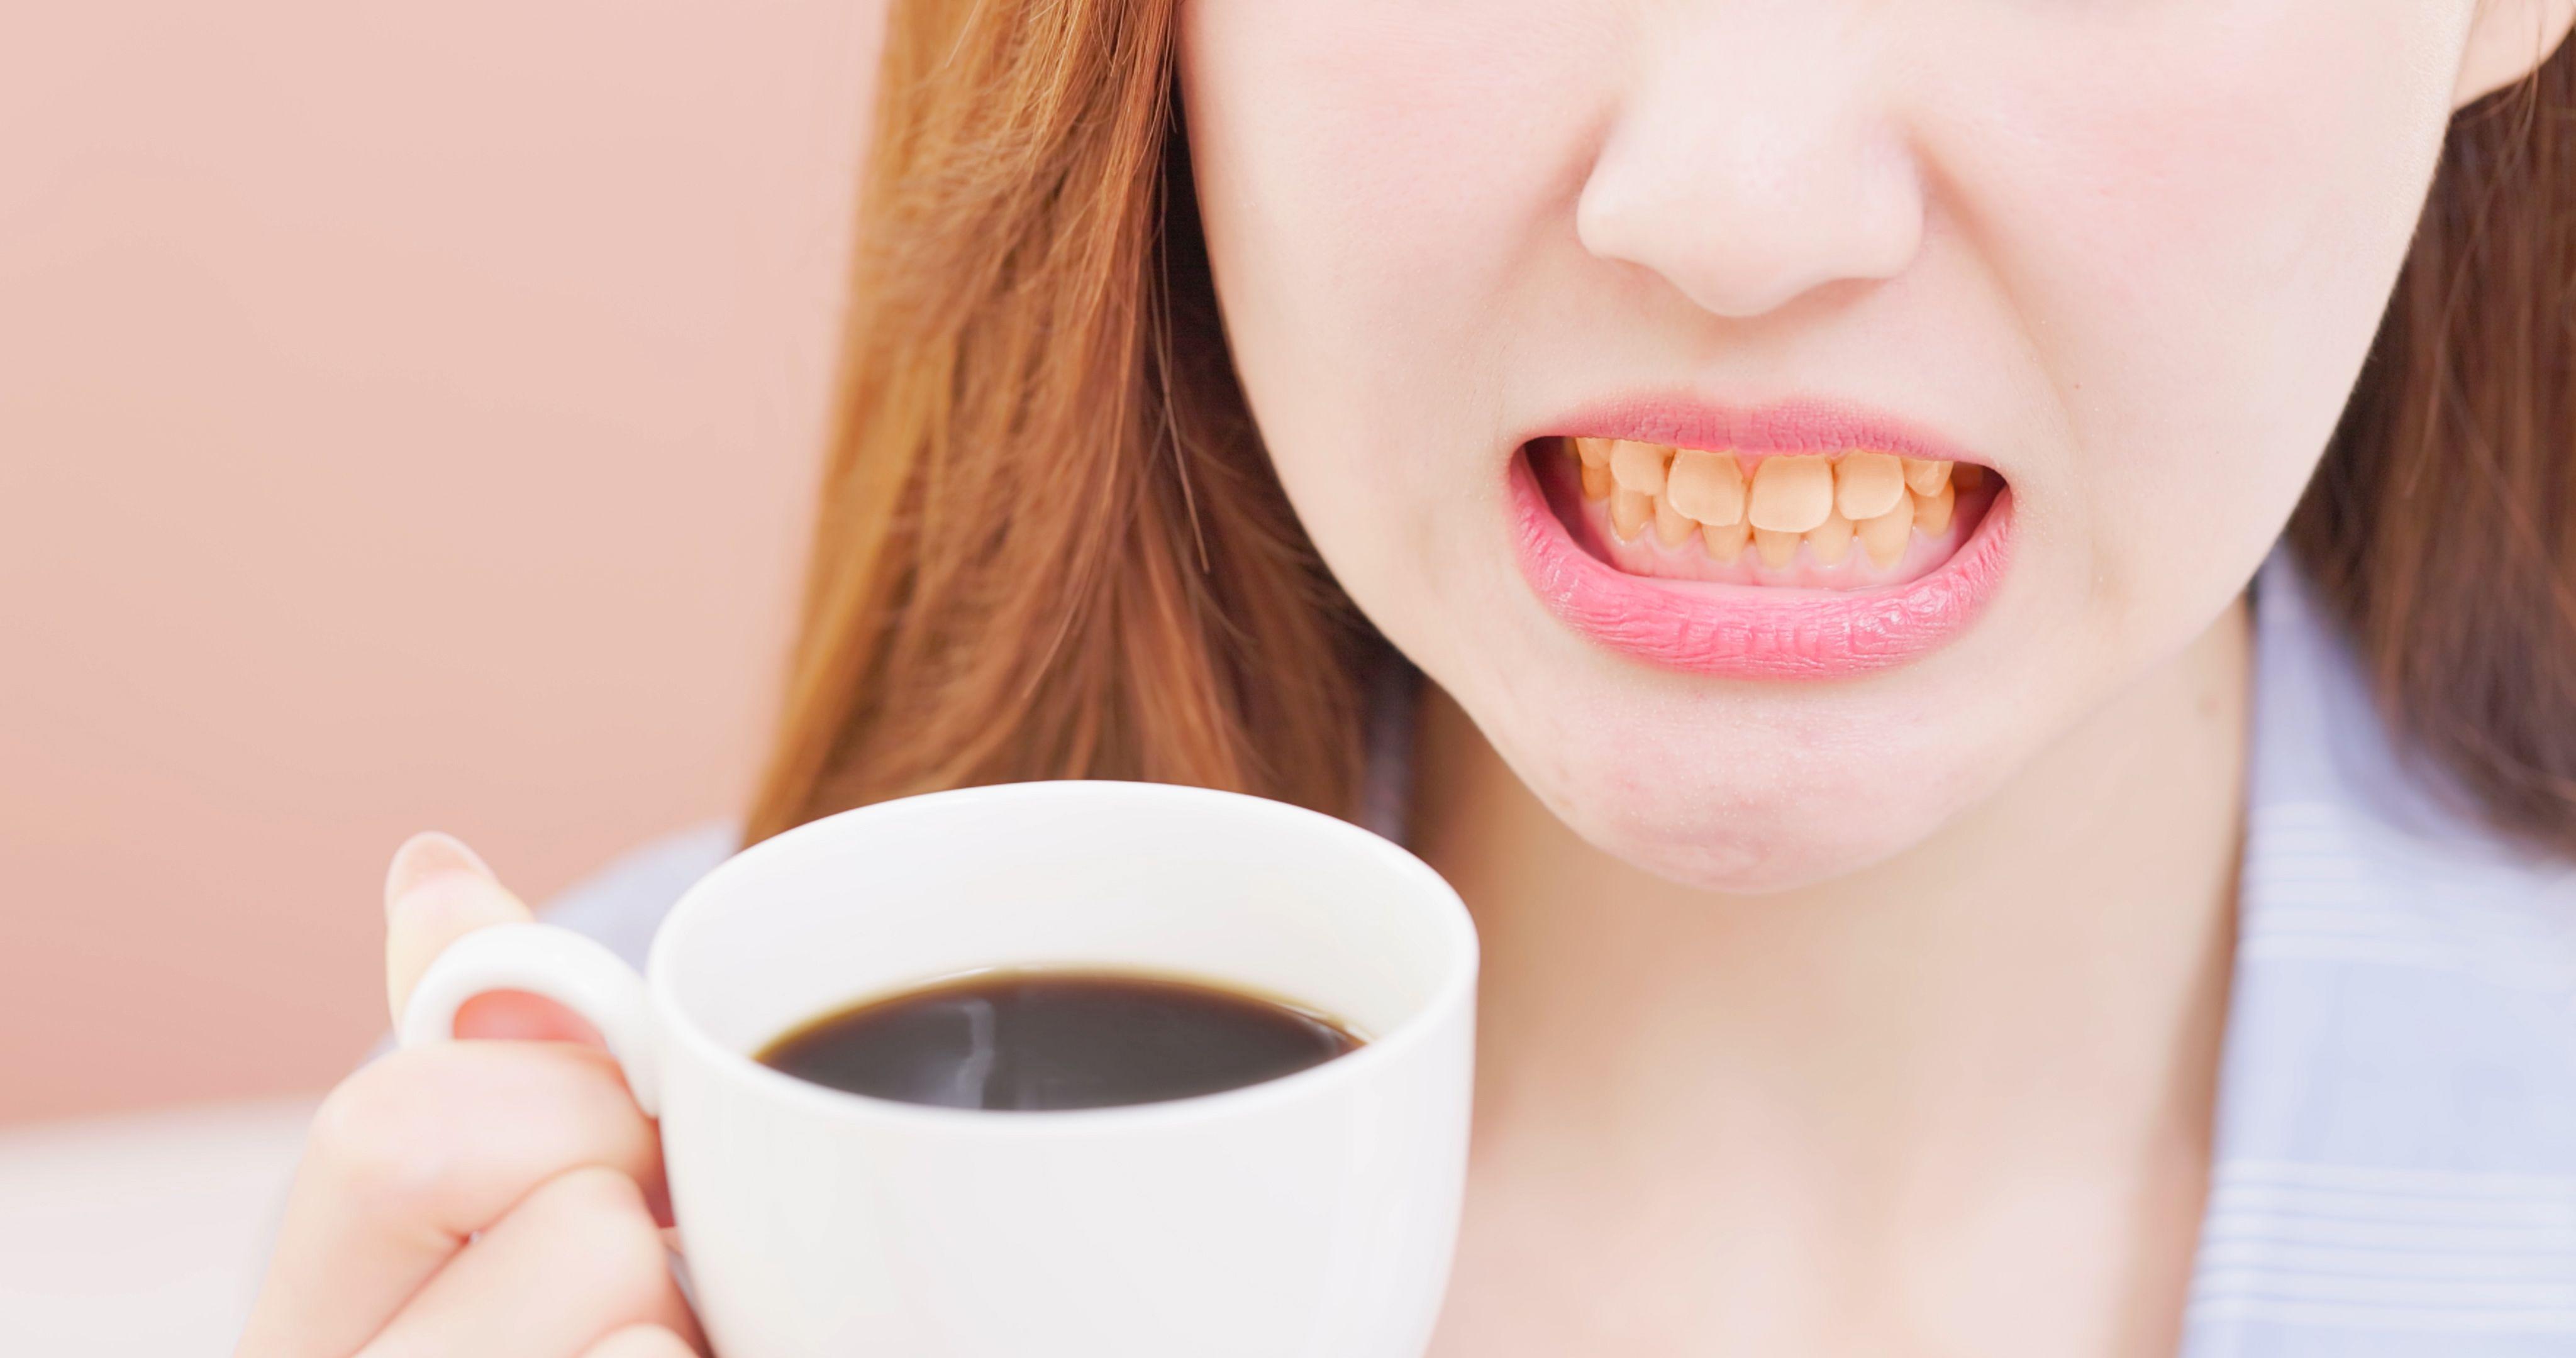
[(1753, 631)]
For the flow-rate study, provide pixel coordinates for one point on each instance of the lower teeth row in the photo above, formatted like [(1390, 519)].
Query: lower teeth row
[(1784, 502)]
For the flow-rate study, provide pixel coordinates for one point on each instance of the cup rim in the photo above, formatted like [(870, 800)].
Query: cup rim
[(1454, 991)]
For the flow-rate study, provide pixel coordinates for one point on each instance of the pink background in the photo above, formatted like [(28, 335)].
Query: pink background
[(405, 417)]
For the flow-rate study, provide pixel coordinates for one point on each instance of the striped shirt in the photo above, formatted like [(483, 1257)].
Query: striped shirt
[(2394, 1161)]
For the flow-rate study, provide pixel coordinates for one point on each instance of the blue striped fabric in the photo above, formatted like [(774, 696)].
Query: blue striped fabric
[(2395, 1157)]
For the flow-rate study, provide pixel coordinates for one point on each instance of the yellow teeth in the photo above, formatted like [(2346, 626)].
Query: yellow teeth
[(1724, 541), (1822, 502), (1867, 485), (1932, 512), (1776, 547), (1884, 537), (1629, 510), (1831, 540), (1596, 480), (1639, 466), (1791, 494), (1704, 486), (1671, 525)]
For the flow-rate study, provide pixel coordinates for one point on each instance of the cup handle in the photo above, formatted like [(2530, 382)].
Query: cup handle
[(570, 969)]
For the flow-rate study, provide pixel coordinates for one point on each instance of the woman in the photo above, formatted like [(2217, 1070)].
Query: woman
[(1818, 455)]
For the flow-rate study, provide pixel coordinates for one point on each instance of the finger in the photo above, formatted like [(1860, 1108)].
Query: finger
[(415, 1153), (436, 891), (579, 1259), (641, 1341)]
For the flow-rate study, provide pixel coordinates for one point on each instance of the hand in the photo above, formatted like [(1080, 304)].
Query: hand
[(502, 1199)]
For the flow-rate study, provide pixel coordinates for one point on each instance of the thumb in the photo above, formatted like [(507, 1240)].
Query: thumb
[(437, 891)]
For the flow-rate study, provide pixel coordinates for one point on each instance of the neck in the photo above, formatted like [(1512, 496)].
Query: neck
[(2045, 977)]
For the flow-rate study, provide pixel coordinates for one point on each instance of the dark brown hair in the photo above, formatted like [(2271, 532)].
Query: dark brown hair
[(2442, 523), (1050, 545)]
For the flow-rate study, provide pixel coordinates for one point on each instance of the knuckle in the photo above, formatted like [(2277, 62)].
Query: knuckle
[(415, 1132), (591, 1191), (642, 1341), (602, 1228), (380, 1136)]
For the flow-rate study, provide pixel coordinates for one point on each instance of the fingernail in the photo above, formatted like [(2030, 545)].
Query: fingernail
[(425, 856)]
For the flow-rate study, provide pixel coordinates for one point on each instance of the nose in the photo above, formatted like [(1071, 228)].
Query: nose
[(1757, 158)]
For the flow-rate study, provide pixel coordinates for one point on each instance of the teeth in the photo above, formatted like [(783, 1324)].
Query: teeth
[(1820, 501), (1791, 494), (1831, 540), (1776, 547), (1885, 535), (1867, 485), (1671, 525), (1596, 480), (1629, 510), (1924, 476), (1706, 486), (1724, 541), (1639, 466), (1932, 512)]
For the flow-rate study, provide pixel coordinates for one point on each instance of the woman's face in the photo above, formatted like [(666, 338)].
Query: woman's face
[(2124, 257)]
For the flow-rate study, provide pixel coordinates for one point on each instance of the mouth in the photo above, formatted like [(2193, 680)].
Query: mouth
[(1792, 543)]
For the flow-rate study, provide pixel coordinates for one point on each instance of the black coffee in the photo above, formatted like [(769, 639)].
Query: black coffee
[(1056, 1039)]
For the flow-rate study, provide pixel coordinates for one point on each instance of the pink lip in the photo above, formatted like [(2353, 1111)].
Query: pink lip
[(1747, 631)]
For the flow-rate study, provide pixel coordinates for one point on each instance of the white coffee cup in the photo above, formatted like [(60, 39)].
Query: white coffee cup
[(1310, 1215)]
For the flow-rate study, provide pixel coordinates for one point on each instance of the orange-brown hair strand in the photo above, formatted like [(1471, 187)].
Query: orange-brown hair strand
[(2442, 523), (1049, 545)]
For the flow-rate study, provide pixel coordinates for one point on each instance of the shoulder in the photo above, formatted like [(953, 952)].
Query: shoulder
[(623, 902), (2355, 838), (2396, 1141)]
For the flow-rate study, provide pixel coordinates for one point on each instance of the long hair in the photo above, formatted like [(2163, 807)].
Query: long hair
[(1049, 544), (2442, 523)]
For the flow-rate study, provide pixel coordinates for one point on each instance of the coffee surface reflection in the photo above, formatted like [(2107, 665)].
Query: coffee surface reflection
[(1040, 1040)]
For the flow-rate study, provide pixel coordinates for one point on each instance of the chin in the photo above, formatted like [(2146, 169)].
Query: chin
[(1738, 835)]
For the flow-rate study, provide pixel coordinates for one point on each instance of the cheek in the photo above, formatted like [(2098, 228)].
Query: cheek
[(1374, 179), (2196, 213), (1374, 166)]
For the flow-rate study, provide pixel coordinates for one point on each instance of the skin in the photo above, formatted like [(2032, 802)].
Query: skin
[(1878, 1014), (1794, 1043)]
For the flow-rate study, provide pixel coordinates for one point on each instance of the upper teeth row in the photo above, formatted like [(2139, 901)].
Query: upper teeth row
[(1877, 497)]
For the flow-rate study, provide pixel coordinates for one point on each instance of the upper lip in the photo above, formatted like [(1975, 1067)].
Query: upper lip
[(1807, 424)]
